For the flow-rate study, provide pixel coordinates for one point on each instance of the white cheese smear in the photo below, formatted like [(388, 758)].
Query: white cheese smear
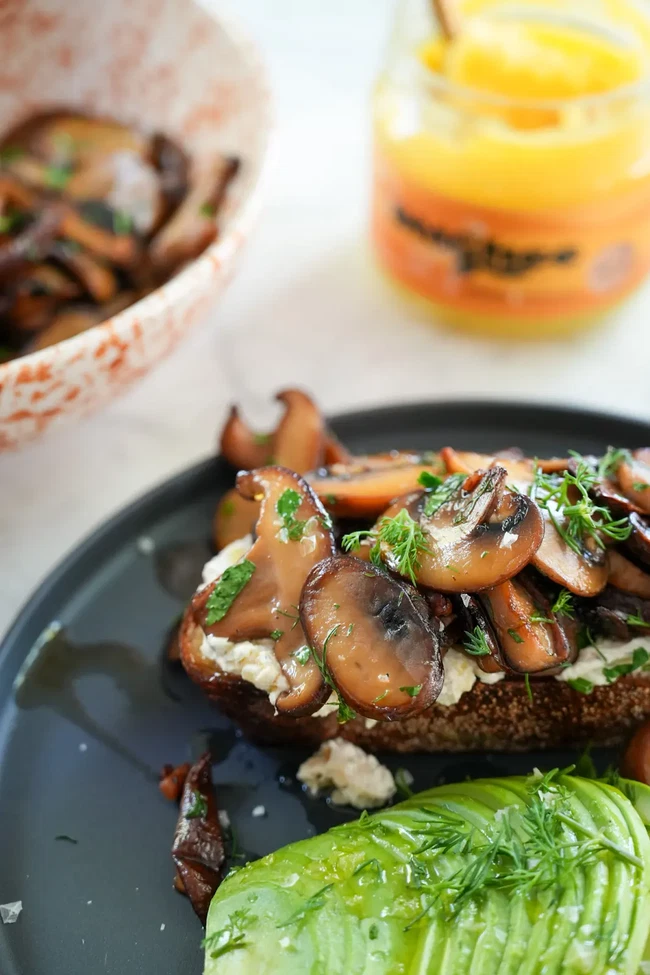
[(255, 661), (356, 778)]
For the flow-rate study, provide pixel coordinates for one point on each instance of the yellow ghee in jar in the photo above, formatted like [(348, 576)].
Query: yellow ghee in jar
[(512, 163)]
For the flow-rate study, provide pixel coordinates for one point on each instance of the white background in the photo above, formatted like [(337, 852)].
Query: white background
[(305, 308)]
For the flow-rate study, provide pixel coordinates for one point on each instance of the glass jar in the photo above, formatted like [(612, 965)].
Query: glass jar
[(513, 215)]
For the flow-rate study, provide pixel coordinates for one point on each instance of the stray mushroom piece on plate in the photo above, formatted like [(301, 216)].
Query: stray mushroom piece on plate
[(260, 595), (372, 638)]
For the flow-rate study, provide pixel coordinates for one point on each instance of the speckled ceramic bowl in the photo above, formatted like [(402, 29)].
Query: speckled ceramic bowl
[(172, 65)]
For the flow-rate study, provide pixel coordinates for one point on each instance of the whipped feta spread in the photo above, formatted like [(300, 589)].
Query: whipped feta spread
[(461, 673), (593, 661), (356, 778), (252, 660)]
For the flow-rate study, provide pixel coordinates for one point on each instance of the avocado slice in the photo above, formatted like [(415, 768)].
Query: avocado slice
[(515, 876)]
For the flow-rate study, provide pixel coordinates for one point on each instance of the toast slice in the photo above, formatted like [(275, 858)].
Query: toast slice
[(489, 717)]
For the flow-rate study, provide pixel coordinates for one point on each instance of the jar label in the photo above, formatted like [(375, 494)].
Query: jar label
[(491, 261)]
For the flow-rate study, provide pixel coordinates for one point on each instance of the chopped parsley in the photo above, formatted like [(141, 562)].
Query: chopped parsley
[(429, 481), (286, 506), (412, 690), (122, 222), (227, 589), (302, 654), (475, 643), (581, 685), (640, 486), (640, 658), (276, 634), (199, 807)]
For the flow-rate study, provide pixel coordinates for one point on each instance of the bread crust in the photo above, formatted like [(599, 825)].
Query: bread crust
[(490, 717)]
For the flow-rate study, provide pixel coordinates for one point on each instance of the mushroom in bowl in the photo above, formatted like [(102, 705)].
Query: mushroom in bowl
[(178, 70)]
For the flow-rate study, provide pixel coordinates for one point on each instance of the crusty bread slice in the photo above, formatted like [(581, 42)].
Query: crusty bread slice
[(489, 717)]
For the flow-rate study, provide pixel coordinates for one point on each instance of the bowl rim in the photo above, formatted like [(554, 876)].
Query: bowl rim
[(219, 254)]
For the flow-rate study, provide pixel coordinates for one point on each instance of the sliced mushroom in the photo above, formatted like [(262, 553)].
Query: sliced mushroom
[(33, 241), (583, 572), (483, 535), (269, 602), (365, 488), (60, 137), (372, 635), (66, 325), (192, 227), (198, 849), (173, 169), (299, 439), (627, 576), (520, 469), (235, 517), (472, 615), (120, 249), (98, 280), (638, 543), (633, 475), (335, 451), (617, 615), (528, 646), (242, 447)]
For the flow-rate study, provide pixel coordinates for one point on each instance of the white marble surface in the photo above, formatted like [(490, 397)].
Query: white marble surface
[(306, 307)]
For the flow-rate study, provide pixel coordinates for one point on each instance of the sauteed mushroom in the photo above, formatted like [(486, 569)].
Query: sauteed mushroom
[(624, 575), (638, 544), (372, 635), (365, 488), (633, 475), (293, 535), (531, 639), (481, 536), (472, 616)]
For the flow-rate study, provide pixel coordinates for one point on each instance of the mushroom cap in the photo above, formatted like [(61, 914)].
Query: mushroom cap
[(633, 476), (483, 535), (372, 633), (367, 486)]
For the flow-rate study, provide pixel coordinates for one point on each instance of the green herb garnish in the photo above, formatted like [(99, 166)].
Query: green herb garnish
[(538, 617), (529, 690), (403, 782), (227, 589), (515, 636), (634, 620), (199, 807), (122, 222), (313, 903), (401, 534), (610, 462), (57, 177), (286, 506), (640, 658), (276, 634), (380, 697), (302, 654), (412, 690), (429, 481), (345, 712), (294, 617), (640, 486), (227, 508), (563, 605), (9, 153), (475, 643), (443, 493), (231, 936), (576, 517), (581, 685), (207, 210)]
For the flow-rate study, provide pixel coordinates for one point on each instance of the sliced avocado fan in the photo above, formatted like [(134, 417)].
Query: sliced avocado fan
[(516, 876)]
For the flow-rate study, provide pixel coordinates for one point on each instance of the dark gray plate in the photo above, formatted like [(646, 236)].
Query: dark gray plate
[(87, 721)]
